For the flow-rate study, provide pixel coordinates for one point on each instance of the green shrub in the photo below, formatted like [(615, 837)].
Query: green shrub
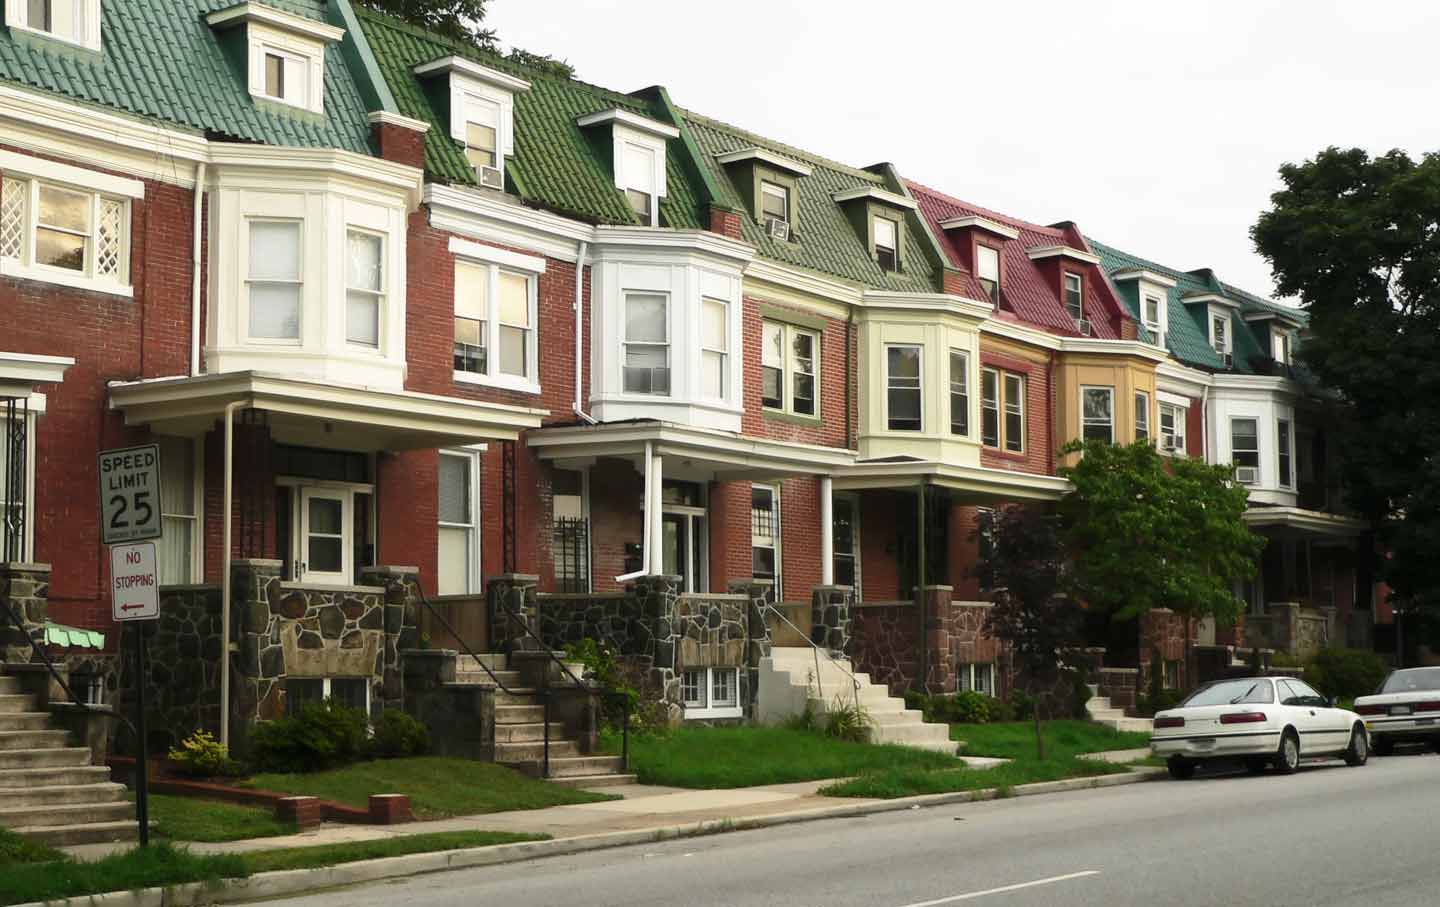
[(847, 722), (16, 849), (970, 707), (202, 756), (805, 721), (1022, 705), (1346, 673), (321, 735), (396, 735), (622, 695), (1079, 692)]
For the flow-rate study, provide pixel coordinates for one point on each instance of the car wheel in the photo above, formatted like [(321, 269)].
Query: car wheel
[(1358, 752), (1382, 746), (1287, 755), (1180, 769), (1256, 765)]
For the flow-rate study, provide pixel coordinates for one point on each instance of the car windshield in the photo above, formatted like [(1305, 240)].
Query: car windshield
[(1411, 680), (1232, 692)]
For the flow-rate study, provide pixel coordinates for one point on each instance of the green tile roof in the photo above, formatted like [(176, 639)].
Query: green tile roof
[(1187, 335), (160, 61), (556, 164), (825, 240)]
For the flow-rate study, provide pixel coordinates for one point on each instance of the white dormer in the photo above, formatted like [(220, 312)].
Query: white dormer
[(638, 156), (72, 21), (284, 53), (1218, 327), (1152, 292), (482, 113), (1040, 253)]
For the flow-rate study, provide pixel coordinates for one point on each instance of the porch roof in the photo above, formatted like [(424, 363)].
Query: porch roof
[(978, 484), (729, 455), (1297, 522), (20, 372), (319, 414)]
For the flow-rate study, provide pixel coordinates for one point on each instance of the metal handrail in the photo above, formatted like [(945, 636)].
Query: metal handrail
[(44, 656), (819, 684), (519, 619), (456, 636)]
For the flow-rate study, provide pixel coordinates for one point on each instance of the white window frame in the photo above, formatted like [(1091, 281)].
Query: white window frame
[(1285, 454), (27, 174), (307, 55), (299, 282), (495, 261), (35, 406), (17, 16), (790, 367), (1156, 327), (919, 386), (195, 570), (774, 489), (1178, 415), (667, 343), (970, 673), (626, 181), (875, 221), (702, 706), (723, 351), (1142, 416), (778, 190), (482, 111), (326, 688), (471, 459), (1255, 421), (1065, 278), (1224, 345), (980, 250), (1110, 425), (380, 297), (960, 387), (1012, 404), (1282, 346)]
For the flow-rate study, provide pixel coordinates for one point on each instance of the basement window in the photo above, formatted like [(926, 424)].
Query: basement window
[(711, 692)]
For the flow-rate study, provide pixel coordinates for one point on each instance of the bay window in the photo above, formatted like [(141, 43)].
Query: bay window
[(1097, 413), (1002, 393), (647, 344), (458, 559), (495, 314), (959, 393), (275, 281), (1142, 416), (714, 347), (1245, 450), (903, 393), (1285, 454), (788, 360), (364, 287)]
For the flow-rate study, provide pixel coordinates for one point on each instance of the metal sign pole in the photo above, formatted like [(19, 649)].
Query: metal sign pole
[(142, 759)]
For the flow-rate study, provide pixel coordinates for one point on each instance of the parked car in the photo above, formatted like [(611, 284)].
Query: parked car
[(1406, 709), (1259, 721)]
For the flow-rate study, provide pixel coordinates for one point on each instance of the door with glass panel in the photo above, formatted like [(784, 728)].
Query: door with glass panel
[(682, 541), (324, 537), (845, 522)]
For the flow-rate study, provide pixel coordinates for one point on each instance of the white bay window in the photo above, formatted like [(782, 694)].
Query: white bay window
[(714, 347), (647, 344), (364, 287), (275, 281)]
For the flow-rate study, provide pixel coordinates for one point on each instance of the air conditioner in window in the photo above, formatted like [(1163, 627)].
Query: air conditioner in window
[(1083, 326), (490, 177), (1170, 443), (1247, 475), (778, 228)]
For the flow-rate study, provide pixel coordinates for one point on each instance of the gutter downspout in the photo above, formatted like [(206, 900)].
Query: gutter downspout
[(1205, 422), (195, 270), (652, 496), (579, 406), (225, 583)]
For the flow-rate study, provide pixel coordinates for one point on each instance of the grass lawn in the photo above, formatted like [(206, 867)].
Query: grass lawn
[(704, 757), (1063, 739), (438, 786), (194, 819)]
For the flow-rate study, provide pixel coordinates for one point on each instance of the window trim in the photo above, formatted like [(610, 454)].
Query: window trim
[(1179, 414), (1255, 421), (1065, 278), (496, 261), (1142, 409), (778, 590), (723, 352), (31, 174), (875, 220), (706, 688), (17, 16), (668, 344), (473, 581), (780, 189), (920, 386), (995, 293), (968, 671), (789, 368), (1226, 345), (301, 535), (1282, 342), (964, 391), (1156, 329), (196, 570), (381, 296), (1084, 388)]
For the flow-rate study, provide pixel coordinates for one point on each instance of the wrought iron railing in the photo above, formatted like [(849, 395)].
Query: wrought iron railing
[(819, 680), (571, 547), (14, 472)]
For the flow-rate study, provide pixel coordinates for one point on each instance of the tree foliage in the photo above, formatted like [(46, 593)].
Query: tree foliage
[(460, 19), (1356, 238), (1146, 531)]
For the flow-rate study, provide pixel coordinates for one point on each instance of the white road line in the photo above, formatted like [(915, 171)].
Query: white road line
[(989, 891)]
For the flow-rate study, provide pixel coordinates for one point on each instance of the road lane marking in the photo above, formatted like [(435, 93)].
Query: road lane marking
[(971, 895)]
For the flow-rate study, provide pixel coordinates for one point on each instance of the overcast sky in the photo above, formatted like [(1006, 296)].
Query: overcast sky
[(1157, 126)]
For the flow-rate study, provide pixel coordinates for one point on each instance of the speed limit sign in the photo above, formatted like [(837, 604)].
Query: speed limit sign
[(130, 494)]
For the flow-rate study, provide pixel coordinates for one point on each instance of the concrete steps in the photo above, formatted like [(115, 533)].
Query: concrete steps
[(67, 794), (81, 833), (594, 781), (48, 814), (21, 759), (576, 766), (527, 732), (1099, 711)]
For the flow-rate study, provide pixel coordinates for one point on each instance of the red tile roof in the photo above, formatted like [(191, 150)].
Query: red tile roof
[(1025, 295)]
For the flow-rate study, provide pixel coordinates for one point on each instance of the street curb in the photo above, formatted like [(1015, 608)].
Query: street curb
[(301, 881)]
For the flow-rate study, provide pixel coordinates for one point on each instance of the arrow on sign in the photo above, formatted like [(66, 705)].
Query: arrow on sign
[(132, 606)]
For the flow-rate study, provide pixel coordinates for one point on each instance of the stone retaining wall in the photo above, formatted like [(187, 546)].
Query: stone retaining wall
[(888, 644)]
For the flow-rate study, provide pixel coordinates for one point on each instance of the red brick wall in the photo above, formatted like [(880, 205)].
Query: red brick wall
[(879, 569), (729, 528), (726, 223), (407, 508), (800, 537), (833, 378), (616, 518), (399, 144), (1039, 454), (1195, 429)]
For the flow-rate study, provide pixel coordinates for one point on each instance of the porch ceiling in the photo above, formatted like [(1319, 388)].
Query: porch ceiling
[(1298, 523), (722, 455), (971, 484), (320, 415)]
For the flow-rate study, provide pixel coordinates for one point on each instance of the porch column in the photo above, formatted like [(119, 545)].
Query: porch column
[(827, 534), (652, 513)]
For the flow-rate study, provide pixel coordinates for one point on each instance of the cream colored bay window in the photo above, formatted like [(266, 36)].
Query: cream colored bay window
[(364, 287), (714, 347), (275, 282)]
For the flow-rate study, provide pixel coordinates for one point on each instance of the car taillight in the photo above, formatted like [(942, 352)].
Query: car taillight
[(1170, 721), (1242, 718), (1427, 706), (1369, 709)]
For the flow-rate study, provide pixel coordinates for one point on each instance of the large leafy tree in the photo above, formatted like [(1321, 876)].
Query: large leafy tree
[(1025, 563), (453, 18), (1357, 239), (1146, 531)]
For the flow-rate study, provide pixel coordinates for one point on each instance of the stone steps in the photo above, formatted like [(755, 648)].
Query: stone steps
[(575, 766), (33, 739), (519, 714), (1100, 711), (16, 702), (68, 794), (26, 778), (49, 814), (24, 721), (9, 685), (593, 781), (81, 833), (534, 750), (42, 758), (509, 678), (527, 732)]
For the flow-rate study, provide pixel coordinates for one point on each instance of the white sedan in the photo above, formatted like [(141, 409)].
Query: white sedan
[(1259, 720), (1405, 710)]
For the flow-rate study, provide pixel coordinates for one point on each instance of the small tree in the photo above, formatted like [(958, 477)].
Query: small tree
[(1025, 564), (1148, 531), (452, 18)]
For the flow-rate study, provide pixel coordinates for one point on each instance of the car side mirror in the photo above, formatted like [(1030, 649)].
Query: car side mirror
[(1329, 702)]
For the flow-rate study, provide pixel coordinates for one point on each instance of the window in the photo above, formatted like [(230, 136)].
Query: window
[(1014, 413), (571, 546), (1172, 428), (352, 692), (1245, 450), (482, 133), (845, 525), (1280, 346), (774, 202), (1219, 334), (987, 270), (959, 393), (364, 287), (714, 347), (647, 344), (977, 677), (765, 536), (1074, 296), (459, 554), (1151, 316), (496, 342), (887, 244), (68, 235), (275, 280), (639, 177), (902, 388), (1142, 416), (788, 361), (1282, 446), (179, 548), (1010, 431), (74, 21), (285, 76), (1170, 674), (711, 692), (1097, 413), (990, 408)]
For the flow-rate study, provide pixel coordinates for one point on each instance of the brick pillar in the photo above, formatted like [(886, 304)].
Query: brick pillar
[(757, 633), (398, 138), (513, 594), (939, 618), (725, 221), (257, 691), (402, 626), (25, 590), (830, 618)]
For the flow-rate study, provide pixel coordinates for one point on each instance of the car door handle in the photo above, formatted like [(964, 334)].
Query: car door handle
[(1312, 711)]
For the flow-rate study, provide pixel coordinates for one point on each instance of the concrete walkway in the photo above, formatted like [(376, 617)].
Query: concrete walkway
[(1119, 757)]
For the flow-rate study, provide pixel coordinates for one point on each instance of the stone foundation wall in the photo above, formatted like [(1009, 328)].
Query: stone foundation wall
[(830, 618), (614, 620), (25, 588), (182, 661), (888, 644)]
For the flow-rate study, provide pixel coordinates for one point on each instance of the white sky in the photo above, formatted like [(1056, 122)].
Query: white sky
[(1158, 127)]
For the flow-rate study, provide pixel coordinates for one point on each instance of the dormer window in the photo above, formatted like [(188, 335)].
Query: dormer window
[(481, 148), (287, 77), (769, 182), (71, 21), (482, 113), (637, 156), (987, 271), (887, 244), (1074, 297), (774, 204), (638, 176), (876, 214), (1220, 334), (1150, 311), (1280, 346), (284, 53), (1152, 293)]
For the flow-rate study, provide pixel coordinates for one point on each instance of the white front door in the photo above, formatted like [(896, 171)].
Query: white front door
[(326, 519)]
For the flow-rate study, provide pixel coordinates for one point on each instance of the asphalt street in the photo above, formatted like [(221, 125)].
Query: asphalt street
[(1329, 834)]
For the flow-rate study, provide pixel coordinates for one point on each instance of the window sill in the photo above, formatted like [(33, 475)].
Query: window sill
[(727, 712), (73, 43), (12, 268), (500, 382), (1001, 452), (776, 415)]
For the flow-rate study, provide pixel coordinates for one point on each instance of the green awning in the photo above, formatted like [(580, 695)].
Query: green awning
[(74, 637)]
